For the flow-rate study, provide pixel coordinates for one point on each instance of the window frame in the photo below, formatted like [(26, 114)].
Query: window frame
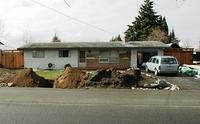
[(37, 53), (108, 57), (61, 55)]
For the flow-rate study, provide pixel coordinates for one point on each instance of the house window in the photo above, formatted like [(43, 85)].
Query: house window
[(64, 53), (38, 54), (109, 57)]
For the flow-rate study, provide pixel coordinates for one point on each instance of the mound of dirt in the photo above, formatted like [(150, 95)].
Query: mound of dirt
[(28, 78), (105, 78), (5, 74), (71, 78), (112, 78)]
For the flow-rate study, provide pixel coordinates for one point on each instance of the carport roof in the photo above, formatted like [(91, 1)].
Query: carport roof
[(79, 45)]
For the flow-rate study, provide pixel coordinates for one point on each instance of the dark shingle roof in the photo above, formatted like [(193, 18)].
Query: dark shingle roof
[(71, 45), (151, 44)]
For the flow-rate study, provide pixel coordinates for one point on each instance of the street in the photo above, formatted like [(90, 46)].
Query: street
[(99, 106)]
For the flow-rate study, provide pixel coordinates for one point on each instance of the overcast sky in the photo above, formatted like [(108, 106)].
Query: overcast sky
[(25, 20)]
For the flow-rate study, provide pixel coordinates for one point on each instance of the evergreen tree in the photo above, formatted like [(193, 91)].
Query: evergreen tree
[(56, 39), (143, 24), (118, 38), (162, 24), (165, 25), (172, 34), (148, 25), (173, 38)]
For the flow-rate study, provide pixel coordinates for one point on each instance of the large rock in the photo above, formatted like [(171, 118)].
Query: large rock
[(28, 78), (71, 78)]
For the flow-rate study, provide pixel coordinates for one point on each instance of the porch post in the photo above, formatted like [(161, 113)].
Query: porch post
[(160, 52), (134, 58)]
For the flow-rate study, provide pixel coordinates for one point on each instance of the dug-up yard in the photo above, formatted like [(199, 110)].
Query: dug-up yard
[(72, 78)]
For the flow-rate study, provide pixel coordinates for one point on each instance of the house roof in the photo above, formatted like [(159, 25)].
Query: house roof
[(71, 45), (148, 44)]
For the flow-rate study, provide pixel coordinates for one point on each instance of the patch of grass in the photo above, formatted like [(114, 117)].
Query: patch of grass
[(49, 74)]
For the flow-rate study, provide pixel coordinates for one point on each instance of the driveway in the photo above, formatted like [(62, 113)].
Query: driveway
[(184, 82)]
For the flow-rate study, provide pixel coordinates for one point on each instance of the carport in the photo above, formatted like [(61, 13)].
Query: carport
[(143, 50)]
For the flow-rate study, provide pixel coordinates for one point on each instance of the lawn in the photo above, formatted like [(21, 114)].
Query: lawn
[(49, 74)]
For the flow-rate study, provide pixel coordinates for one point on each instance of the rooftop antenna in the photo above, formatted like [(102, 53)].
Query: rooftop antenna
[(199, 44)]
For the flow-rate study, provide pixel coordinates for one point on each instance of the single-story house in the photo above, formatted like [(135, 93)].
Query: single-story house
[(90, 55)]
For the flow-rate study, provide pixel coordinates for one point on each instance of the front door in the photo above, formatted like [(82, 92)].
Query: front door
[(82, 59)]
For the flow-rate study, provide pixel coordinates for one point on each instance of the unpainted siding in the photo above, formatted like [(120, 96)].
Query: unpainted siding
[(51, 56), (92, 60)]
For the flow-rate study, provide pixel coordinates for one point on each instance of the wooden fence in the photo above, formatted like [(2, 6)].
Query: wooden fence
[(12, 59), (184, 55)]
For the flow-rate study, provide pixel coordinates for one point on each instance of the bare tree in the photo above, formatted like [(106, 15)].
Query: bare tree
[(26, 37), (3, 33)]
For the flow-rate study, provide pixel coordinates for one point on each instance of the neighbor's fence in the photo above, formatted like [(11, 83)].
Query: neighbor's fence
[(184, 55), (12, 59)]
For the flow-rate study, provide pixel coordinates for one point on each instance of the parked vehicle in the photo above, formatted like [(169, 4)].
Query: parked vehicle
[(162, 64)]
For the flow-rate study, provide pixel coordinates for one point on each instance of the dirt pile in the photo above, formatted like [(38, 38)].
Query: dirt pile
[(110, 78), (28, 78), (5, 74), (71, 78)]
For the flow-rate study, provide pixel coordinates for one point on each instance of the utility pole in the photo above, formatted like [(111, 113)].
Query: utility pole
[(199, 45)]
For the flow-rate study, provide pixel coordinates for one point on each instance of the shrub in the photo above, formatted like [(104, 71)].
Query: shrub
[(67, 65)]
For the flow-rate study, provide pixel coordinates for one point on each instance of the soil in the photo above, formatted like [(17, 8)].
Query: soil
[(105, 78), (28, 78), (71, 78), (75, 78), (5, 74)]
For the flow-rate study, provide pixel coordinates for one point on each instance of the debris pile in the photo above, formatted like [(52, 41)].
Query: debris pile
[(105, 78), (28, 78), (5, 74), (188, 71), (162, 84), (71, 78), (112, 78)]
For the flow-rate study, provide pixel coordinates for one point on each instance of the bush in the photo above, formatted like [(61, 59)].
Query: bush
[(67, 65)]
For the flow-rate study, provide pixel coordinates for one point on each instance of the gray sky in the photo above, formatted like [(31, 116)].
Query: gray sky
[(25, 20)]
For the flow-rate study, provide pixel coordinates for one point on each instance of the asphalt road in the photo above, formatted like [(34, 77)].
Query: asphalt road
[(98, 106)]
